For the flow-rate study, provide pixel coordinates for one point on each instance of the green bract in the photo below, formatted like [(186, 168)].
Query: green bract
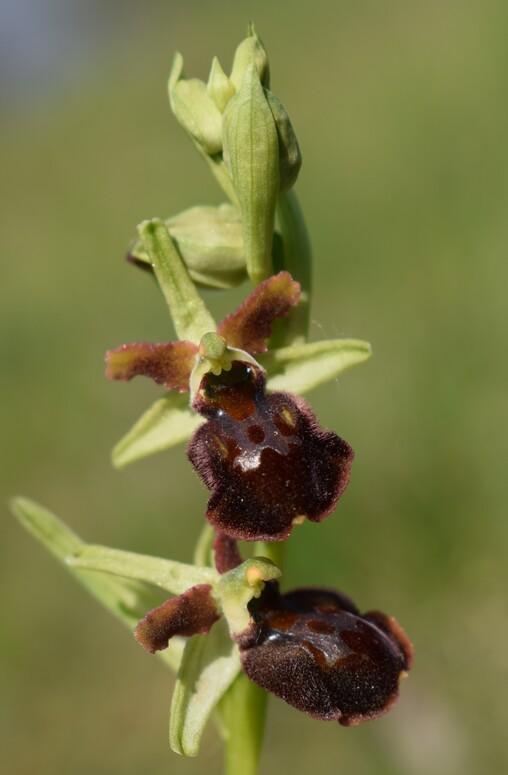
[(122, 582), (210, 243), (125, 598)]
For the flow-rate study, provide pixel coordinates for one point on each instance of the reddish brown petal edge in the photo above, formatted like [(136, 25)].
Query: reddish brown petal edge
[(248, 326), (167, 363), (191, 613)]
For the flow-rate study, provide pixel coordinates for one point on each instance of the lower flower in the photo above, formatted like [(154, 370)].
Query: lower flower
[(310, 647), (313, 649)]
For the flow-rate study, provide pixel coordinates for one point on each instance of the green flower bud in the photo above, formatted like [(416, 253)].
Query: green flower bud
[(219, 87), (251, 152), (194, 109), (250, 50), (209, 240), (290, 158)]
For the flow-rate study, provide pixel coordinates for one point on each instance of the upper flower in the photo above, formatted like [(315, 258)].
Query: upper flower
[(265, 458)]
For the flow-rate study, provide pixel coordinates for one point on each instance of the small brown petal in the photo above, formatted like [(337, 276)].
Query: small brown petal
[(192, 613), (249, 326), (167, 363), (227, 554)]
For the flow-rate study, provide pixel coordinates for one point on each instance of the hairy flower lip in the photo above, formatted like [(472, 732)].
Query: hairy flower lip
[(265, 458), (312, 648)]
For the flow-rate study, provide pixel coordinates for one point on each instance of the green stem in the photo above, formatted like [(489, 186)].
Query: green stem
[(273, 550), (243, 710), (243, 707), (221, 173), (297, 260)]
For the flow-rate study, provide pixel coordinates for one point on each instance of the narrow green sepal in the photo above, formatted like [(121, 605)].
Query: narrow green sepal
[(195, 109), (168, 422), (127, 599), (290, 158), (214, 162), (251, 150), (251, 49), (174, 577), (190, 315), (220, 88), (209, 666), (301, 368), (176, 71)]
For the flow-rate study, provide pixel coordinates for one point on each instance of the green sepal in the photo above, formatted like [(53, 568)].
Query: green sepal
[(195, 109), (174, 577), (301, 368), (290, 158), (210, 243), (209, 665), (251, 151), (127, 599), (169, 421), (215, 162), (251, 49), (188, 311), (220, 88)]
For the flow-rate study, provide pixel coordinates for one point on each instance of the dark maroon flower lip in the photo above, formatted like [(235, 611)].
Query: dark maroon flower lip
[(268, 463), (313, 649)]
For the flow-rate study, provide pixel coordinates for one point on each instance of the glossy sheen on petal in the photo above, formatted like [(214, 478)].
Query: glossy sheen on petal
[(249, 326), (192, 613), (265, 458), (167, 363), (323, 659)]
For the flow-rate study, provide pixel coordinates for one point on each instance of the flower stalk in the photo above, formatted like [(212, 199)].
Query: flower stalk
[(243, 715)]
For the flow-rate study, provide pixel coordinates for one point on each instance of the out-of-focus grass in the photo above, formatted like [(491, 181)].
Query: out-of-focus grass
[(400, 110)]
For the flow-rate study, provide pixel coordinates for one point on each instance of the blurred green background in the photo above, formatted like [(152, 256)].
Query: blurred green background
[(401, 113)]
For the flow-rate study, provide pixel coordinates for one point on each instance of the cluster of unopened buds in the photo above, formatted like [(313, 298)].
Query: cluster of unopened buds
[(234, 392)]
